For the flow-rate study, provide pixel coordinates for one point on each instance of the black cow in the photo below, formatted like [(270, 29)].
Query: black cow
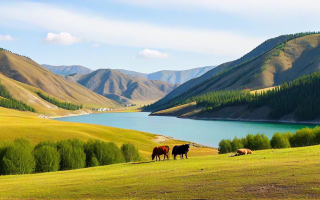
[(180, 150)]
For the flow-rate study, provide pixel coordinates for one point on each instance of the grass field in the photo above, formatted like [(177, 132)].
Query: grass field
[(16, 124), (268, 174)]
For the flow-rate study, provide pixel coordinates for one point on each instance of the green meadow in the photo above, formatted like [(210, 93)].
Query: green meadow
[(269, 174)]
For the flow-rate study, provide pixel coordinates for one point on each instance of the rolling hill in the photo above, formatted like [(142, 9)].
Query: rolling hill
[(125, 88), (282, 59), (67, 69), (170, 76), (23, 78)]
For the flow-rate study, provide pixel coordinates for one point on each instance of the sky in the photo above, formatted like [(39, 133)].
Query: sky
[(148, 35)]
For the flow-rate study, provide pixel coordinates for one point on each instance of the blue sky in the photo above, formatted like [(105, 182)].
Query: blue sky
[(148, 36)]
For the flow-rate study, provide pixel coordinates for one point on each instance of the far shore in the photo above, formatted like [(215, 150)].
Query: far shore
[(244, 120)]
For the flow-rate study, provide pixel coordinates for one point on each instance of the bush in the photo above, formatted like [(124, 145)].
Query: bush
[(72, 155), (250, 142), (102, 153), (225, 146), (47, 159), (130, 153), (18, 157), (279, 141), (236, 144), (303, 137), (316, 132), (261, 142)]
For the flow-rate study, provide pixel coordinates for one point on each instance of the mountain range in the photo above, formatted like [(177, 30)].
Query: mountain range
[(125, 88), (67, 69), (170, 76), (272, 63)]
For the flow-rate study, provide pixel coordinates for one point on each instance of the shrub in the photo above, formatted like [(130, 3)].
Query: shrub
[(72, 155), (279, 141), (236, 144), (130, 153), (316, 132), (18, 157), (303, 137), (261, 142), (47, 159), (225, 146), (250, 142), (102, 153)]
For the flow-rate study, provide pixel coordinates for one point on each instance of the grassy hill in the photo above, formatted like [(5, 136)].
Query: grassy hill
[(125, 88), (17, 124), (15, 70), (274, 66), (269, 174)]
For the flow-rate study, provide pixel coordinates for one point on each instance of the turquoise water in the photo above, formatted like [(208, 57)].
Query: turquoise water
[(199, 131)]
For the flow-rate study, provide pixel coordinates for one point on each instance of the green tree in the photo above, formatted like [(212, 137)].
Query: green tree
[(225, 146), (47, 159), (72, 155), (18, 157), (279, 141), (130, 153)]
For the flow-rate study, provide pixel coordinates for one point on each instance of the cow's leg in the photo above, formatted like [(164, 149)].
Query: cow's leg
[(186, 156), (164, 156), (156, 157), (174, 156), (182, 156)]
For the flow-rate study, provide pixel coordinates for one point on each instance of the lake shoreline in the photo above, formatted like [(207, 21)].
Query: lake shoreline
[(243, 120)]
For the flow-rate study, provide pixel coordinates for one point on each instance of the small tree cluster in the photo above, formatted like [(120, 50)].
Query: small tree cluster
[(21, 157), (64, 105), (253, 142), (303, 137), (8, 102)]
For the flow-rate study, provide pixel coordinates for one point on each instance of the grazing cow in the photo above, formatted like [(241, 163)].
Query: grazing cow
[(157, 151), (244, 151), (180, 150)]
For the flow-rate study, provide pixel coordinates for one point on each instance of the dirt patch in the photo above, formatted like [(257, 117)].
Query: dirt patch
[(160, 139)]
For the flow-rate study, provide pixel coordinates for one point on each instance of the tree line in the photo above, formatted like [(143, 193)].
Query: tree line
[(300, 97), (21, 157), (302, 137), (64, 105), (7, 101)]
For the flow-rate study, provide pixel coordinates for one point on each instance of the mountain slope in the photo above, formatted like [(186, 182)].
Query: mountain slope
[(289, 61), (66, 70), (27, 71), (174, 77), (258, 51), (125, 88)]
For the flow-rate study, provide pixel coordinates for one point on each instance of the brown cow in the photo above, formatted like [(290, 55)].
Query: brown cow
[(157, 151), (244, 151)]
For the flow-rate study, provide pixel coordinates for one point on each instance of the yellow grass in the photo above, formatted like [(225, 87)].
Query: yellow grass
[(262, 90), (16, 124), (270, 174), (175, 109)]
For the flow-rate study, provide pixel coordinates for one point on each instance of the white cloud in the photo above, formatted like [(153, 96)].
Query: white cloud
[(115, 32), (61, 38), (147, 53), (95, 45), (5, 37)]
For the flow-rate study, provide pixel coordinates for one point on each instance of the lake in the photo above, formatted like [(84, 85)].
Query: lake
[(199, 131)]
